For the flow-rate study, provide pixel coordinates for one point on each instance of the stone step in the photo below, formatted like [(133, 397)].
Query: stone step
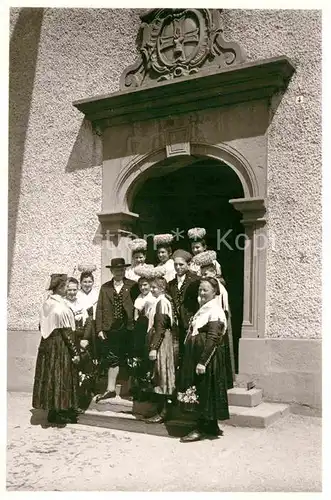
[(239, 396), (124, 415), (259, 416), (134, 423)]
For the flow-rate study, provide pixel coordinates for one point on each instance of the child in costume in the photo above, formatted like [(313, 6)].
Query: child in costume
[(163, 347), (197, 236), (138, 248), (162, 244)]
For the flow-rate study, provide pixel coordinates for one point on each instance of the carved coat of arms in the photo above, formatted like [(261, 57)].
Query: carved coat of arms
[(179, 42)]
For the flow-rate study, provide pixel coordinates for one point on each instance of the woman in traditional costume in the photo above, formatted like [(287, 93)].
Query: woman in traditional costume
[(56, 377), (162, 244), (206, 261), (203, 373), (163, 348), (138, 249), (197, 236)]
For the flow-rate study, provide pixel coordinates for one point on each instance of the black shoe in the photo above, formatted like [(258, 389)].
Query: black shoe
[(105, 395), (192, 436), (156, 419), (66, 417), (213, 432), (51, 417)]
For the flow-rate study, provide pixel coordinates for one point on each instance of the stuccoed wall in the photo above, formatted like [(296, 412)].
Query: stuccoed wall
[(55, 175), (57, 56), (294, 166)]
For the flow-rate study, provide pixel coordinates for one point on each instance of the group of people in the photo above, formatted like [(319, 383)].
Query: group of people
[(169, 324)]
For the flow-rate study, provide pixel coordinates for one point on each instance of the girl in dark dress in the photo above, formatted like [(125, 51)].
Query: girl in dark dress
[(56, 377), (203, 373)]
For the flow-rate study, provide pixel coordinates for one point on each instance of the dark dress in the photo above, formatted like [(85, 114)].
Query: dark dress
[(207, 348), (56, 385), (140, 365), (88, 365), (140, 335)]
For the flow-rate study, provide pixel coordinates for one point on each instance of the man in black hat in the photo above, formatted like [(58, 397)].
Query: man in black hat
[(114, 322)]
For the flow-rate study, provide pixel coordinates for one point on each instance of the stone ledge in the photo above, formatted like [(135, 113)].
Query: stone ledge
[(239, 396), (131, 423), (287, 387), (210, 88), (287, 370), (258, 417)]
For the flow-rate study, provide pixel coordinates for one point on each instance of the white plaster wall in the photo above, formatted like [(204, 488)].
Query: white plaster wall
[(55, 168), (294, 166)]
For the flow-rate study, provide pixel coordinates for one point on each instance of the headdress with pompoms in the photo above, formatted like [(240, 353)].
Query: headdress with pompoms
[(163, 240), (196, 233), (90, 268), (149, 272), (205, 258), (138, 245)]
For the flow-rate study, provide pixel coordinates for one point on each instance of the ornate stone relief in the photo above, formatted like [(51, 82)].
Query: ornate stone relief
[(179, 42)]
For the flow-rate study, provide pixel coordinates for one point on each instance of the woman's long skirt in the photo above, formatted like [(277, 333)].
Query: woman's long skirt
[(211, 387), (164, 372), (56, 384)]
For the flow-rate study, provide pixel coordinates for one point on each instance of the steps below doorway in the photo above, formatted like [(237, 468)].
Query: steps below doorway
[(246, 410)]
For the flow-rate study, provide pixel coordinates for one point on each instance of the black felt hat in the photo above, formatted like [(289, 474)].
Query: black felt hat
[(117, 263)]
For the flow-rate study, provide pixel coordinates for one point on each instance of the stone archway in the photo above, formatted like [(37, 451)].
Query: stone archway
[(118, 222), (135, 172)]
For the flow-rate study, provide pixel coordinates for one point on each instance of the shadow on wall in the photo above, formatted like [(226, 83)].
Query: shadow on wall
[(87, 149), (23, 54)]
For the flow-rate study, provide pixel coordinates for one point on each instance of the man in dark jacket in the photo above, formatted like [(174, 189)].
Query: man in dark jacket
[(114, 322), (183, 290)]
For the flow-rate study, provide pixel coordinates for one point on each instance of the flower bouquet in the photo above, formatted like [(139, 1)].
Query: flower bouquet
[(133, 363), (189, 399)]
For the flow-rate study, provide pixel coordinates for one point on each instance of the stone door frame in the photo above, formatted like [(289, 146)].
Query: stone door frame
[(119, 222)]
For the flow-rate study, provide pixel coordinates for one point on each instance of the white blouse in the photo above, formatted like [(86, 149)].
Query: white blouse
[(88, 300), (169, 267), (130, 274)]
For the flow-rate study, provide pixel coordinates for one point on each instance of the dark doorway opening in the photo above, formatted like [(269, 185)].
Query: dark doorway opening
[(198, 195)]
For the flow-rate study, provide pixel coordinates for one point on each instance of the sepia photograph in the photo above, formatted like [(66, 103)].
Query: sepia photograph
[(164, 300)]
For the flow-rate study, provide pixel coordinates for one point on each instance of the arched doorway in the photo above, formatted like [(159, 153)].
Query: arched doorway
[(177, 198)]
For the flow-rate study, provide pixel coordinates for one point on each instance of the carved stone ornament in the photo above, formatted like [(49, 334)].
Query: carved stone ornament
[(179, 42)]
